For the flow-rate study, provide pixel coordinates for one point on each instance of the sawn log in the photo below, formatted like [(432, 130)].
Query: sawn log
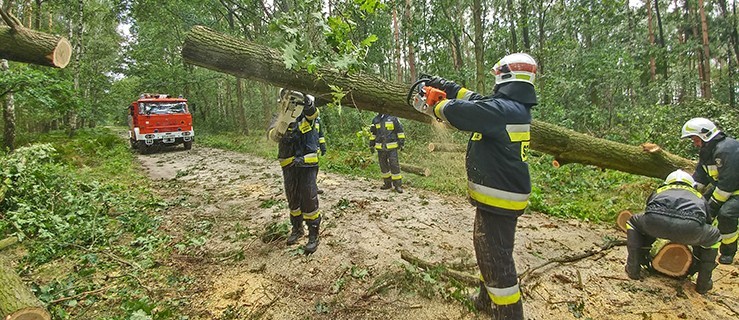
[(216, 51), (18, 43), (446, 147), (415, 169), (16, 301)]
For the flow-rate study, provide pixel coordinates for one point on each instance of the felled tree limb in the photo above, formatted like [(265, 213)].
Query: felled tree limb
[(460, 276), (7, 242), (446, 147), (415, 169), (18, 43), (572, 258), (207, 48), (17, 302)]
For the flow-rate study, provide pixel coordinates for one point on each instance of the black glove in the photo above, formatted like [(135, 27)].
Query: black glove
[(713, 207), (436, 82), (298, 161), (323, 151)]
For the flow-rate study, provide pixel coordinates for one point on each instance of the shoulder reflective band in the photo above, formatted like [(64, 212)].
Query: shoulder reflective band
[(497, 198), (504, 296), (518, 132)]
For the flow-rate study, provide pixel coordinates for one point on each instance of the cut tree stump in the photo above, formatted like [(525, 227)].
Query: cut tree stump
[(18, 43), (446, 147), (672, 259), (220, 52), (16, 301), (415, 169)]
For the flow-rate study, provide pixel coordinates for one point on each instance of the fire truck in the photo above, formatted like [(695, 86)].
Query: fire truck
[(157, 120)]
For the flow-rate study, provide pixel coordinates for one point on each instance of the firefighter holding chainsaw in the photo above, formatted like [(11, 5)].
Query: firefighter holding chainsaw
[(298, 146), (675, 211), (498, 180), (717, 173), (387, 136)]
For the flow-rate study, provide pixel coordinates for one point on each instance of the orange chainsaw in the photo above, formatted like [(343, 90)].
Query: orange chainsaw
[(425, 97)]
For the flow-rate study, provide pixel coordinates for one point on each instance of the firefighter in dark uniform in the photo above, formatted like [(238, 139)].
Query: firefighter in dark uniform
[(387, 137), (498, 180), (298, 148), (718, 167), (676, 211)]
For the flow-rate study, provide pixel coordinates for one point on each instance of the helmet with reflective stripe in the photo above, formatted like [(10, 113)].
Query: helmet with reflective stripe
[(700, 127), (515, 67), (680, 176)]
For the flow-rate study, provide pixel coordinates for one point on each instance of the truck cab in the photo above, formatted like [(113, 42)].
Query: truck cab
[(157, 120)]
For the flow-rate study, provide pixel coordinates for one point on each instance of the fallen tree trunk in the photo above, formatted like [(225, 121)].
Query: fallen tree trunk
[(207, 48), (446, 147), (16, 301), (18, 43), (415, 169), (460, 276)]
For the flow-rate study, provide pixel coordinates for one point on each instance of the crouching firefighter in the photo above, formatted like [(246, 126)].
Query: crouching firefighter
[(298, 146), (677, 212), (498, 180), (387, 137)]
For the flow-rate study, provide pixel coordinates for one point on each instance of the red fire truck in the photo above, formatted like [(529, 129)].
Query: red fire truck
[(157, 120)]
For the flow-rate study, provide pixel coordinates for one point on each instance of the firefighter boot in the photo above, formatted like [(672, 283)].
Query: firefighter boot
[(481, 301), (313, 227), (706, 263), (635, 254), (398, 184), (387, 185), (509, 311), (727, 253), (297, 232)]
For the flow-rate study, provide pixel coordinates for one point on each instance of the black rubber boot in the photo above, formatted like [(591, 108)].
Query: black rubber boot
[(387, 185), (313, 241), (398, 184), (297, 231), (635, 254), (508, 311), (481, 301), (727, 253), (706, 263)]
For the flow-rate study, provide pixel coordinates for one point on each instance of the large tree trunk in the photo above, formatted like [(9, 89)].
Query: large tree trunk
[(8, 113), (16, 301), (479, 46), (207, 48), (650, 31), (706, 52), (21, 44)]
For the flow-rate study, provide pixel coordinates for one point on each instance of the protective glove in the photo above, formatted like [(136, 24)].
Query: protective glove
[(436, 82), (713, 207), (298, 161)]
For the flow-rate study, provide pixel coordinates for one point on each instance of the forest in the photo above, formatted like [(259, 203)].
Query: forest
[(92, 229)]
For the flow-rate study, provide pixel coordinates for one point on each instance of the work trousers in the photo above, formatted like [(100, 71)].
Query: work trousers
[(728, 217), (389, 165), (677, 230), (301, 190)]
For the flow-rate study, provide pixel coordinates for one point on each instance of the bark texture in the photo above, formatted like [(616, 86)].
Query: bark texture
[(16, 301), (207, 48), (29, 46)]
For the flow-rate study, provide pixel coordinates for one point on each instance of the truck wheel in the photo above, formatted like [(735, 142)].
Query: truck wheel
[(143, 148), (188, 145), (133, 144)]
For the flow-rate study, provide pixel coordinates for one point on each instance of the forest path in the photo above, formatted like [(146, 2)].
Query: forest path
[(221, 202)]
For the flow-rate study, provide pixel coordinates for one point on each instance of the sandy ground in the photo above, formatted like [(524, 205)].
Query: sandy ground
[(222, 201)]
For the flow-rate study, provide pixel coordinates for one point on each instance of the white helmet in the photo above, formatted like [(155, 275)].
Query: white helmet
[(515, 67), (700, 127), (680, 176)]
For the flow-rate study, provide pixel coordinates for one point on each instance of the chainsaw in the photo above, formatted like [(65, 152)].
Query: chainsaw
[(425, 98), (291, 104)]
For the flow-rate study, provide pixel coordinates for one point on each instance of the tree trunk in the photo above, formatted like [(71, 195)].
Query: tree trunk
[(665, 95), (8, 114), (446, 147), (21, 44), (396, 46), (706, 52), (650, 30), (207, 48), (16, 301), (479, 46), (409, 34), (415, 169), (512, 25)]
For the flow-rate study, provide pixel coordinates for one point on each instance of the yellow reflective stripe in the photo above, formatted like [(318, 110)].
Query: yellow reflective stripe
[(713, 246), (296, 213), (378, 146), (312, 215), (391, 145), (377, 125), (317, 125), (397, 176), (314, 116), (373, 137), (523, 76), (439, 109), (401, 135), (629, 226), (310, 158), (321, 140), (497, 198), (518, 132), (504, 296), (476, 136), (712, 171), (389, 125), (385, 175), (679, 186), (286, 162), (721, 195), (462, 92), (730, 238)]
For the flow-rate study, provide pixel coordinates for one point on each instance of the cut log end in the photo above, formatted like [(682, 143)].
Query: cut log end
[(622, 218), (62, 53), (31, 313), (673, 260), (650, 147)]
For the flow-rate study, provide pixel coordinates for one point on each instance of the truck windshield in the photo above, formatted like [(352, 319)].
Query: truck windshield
[(163, 108)]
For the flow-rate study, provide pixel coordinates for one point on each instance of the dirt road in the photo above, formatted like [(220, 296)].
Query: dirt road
[(221, 202)]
